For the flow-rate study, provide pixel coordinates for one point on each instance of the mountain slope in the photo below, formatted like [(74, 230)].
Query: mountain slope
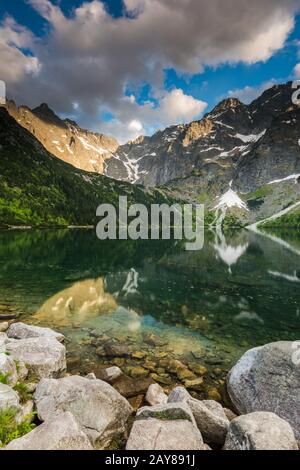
[(64, 138), (38, 189)]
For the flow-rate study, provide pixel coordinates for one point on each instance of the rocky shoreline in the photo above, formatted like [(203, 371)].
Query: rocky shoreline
[(43, 407)]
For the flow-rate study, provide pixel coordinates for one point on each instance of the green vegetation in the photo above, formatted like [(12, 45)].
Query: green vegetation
[(4, 378), (10, 429), (291, 220), (37, 189), (23, 392)]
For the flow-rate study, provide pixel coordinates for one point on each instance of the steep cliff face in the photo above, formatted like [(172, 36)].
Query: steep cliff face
[(64, 138), (217, 147)]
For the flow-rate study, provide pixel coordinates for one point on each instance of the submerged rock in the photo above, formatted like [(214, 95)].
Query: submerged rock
[(61, 432), (260, 431), (4, 326), (116, 349), (129, 387), (165, 427), (267, 379), (23, 331), (43, 356), (97, 406)]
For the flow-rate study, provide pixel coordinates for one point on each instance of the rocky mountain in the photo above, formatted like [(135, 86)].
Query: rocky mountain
[(244, 158), (38, 189), (64, 138)]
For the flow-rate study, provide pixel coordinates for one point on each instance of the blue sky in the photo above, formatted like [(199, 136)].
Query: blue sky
[(135, 82)]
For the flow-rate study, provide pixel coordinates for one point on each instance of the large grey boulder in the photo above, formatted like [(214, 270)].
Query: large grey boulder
[(268, 379), (45, 357), (97, 406), (22, 331), (260, 431), (155, 395), (62, 432), (165, 427), (8, 368), (209, 415), (8, 398)]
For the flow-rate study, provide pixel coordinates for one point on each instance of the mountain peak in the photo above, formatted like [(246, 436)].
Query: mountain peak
[(45, 113), (228, 103)]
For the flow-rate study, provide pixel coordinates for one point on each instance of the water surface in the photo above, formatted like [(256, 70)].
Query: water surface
[(162, 302)]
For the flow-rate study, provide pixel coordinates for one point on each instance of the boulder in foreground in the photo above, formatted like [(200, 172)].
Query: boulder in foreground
[(23, 331), (98, 407), (62, 432), (260, 431), (268, 379)]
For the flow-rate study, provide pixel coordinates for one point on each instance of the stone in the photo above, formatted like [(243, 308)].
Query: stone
[(152, 339), (168, 411), (230, 414), (4, 326), (22, 331), (185, 374), (150, 365), (161, 379), (155, 395), (8, 368), (8, 397), (136, 402), (194, 384), (260, 431), (138, 355), (113, 373), (91, 376), (267, 379), (3, 340), (129, 387), (137, 372), (198, 369), (209, 415), (61, 432), (116, 349), (165, 427), (213, 394), (96, 405), (43, 356)]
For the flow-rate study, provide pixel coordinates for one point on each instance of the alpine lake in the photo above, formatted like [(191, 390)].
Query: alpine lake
[(152, 308)]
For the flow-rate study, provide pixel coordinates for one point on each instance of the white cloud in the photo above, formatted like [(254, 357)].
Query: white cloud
[(90, 57), (135, 126), (249, 93), (15, 64)]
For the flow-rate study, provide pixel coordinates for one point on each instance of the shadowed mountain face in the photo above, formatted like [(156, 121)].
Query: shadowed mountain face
[(36, 188), (216, 147)]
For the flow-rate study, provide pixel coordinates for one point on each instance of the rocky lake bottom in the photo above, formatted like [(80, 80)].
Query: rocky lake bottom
[(153, 309)]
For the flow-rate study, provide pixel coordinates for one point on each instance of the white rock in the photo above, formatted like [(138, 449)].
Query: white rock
[(91, 376), (62, 432), (3, 340), (8, 368), (267, 379), (22, 331), (260, 431), (46, 357), (210, 416), (155, 395), (165, 427), (113, 373), (8, 397), (97, 406)]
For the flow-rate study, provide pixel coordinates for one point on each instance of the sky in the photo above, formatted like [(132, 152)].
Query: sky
[(131, 67)]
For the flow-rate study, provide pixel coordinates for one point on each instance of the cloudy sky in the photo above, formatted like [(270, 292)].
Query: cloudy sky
[(130, 67)]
